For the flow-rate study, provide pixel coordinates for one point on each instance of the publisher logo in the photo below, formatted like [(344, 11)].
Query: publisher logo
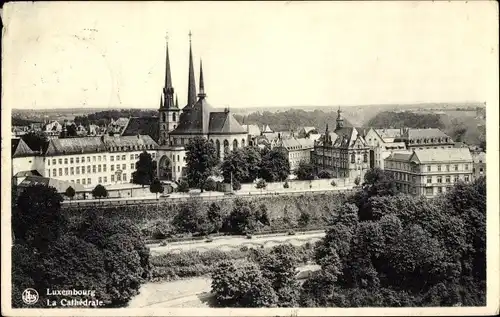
[(30, 296)]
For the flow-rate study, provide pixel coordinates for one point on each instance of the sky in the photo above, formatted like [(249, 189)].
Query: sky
[(112, 55)]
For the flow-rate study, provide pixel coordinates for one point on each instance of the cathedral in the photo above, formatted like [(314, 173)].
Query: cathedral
[(197, 118)]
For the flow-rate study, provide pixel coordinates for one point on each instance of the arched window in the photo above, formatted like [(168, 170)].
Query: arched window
[(235, 144), (217, 145), (365, 157), (353, 158), (242, 142), (164, 117), (174, 116), (226, 146)]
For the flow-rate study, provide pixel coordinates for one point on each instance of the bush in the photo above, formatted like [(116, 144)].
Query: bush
[(357, 181), (333, 184), (261, 184), (210, 185), (291, 233), (325, 174), (236, 185), (209, 240), (163, 243), (183, 186), (286, 185), (249, 236)]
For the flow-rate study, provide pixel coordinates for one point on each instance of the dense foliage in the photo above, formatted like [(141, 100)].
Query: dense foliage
[(93, 252), (99, 191), (243, 164), (275, 166), (404, 251), (201, 160), (102, 118), (306, 171), (388, 119), (145, 170)]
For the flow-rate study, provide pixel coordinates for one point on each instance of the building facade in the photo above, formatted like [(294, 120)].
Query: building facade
[(298, 150), (87, 161), (430, 172), (344, 152)]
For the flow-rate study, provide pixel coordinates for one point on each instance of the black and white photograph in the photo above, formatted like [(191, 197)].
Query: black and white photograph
[(269, 158)]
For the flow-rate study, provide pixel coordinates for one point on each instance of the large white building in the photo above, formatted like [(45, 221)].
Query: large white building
[(430, 172), (88, 161), (297, 149)]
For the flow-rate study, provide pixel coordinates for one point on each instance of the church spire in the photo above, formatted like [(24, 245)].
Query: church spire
[(191, 82), (201, 94), (168, 90)]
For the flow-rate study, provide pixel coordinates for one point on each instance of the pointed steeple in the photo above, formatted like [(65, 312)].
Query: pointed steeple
[(176, 101), (191, 82), (201, 94), (168, 90)]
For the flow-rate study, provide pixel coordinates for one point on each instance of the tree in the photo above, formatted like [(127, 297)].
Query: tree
[(35, 140), (304, 219), (236, 185), (274, 166), (37, 219), (245, 218), (305, 171), (95, 252), (215, 216), (156, 187), (99, 192), (242, 286), (71, 130), (261, 184), (192, 217), (145, 170), (357, 181), (279, 266), (201, 160), (235, 166), (70, 192), (210, 185), (286, 185)]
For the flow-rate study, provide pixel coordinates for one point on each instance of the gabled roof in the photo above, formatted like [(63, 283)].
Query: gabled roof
[(442, 155), (194, 120), (267, 129), (21, 149), (309, 129), (142, 126), (293, 144), (75, 146), (59, 185), (347, 136), (224, 123)]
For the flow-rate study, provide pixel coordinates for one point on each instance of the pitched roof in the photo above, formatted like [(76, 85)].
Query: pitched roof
[(142, 126), (253, 129), (346, 136), (443, 155), (21, 149), (27, 173), (309, 129), (267, 129), (388, 133), (296, 143), (400, 156), (75, 146), (479, 157), (59, 185), (224, 123), (128, 141), (194, 120), (426, 133)]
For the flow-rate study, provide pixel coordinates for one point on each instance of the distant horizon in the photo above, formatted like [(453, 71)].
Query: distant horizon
[(79, 108)]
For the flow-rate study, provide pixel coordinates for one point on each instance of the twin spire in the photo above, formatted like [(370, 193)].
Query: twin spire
[(168, 91)]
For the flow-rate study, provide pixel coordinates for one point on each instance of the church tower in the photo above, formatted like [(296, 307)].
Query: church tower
[(169, 111), (340, 120)]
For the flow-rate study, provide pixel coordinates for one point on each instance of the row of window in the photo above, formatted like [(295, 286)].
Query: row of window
[(431, 140), (131, 148), (101, 180), (99, 158), (447, 179), (77, 160), (90, 169), (439, 168), (428, 168)]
